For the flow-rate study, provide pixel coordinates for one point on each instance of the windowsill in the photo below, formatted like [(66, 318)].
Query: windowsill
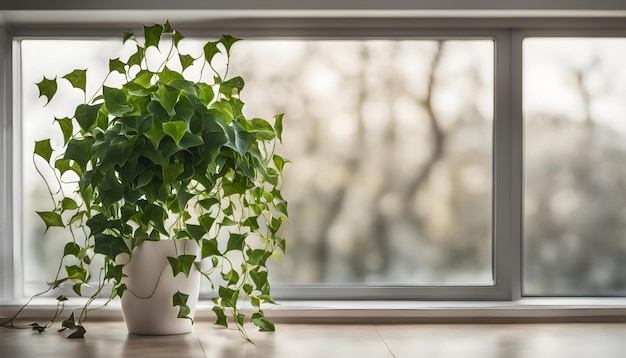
[(527, 310)]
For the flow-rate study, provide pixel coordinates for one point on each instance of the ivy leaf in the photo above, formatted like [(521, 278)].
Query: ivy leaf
[(166, 75), (182, 263), (180, 299), (115, 101), (110, 246), (116, 64), (127, 36), (221, 319), (206, 93), (263, 323), (186, 60), (77, 273), (177, 37), (228, 41), (209, 248), (86, 115), (175, 129), (137, 57), (66, 128), (61, 298), (43, 149), (71, 248), (206, 221), (152, 35), (37, 327), (168, 96), (278, 126), (227, 87), (79, 151), (78, 79), (210, 50), (195, 231), (236, 241), (68, 204), (243, 139), (47, 88), (51, 218), (79, 333), (168, 28)]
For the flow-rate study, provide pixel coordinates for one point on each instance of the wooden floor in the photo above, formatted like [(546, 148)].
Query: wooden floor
[(109, 339)]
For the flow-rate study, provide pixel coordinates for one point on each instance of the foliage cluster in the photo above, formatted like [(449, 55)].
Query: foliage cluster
[(166, 157)]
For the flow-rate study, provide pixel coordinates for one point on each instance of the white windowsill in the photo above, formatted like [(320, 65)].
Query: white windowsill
[(527, 310)]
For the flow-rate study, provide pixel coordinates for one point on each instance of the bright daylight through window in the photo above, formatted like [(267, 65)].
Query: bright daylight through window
[(390, 143), (575, 166)]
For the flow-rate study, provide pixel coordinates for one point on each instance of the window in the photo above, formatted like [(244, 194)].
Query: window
[(575, 166), (474, 219), (390, 142)]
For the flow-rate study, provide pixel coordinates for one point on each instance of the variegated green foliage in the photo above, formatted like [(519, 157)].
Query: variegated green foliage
[(167, 157)]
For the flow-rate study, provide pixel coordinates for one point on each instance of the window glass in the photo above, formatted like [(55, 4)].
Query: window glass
[(574, 102), (390, 143)]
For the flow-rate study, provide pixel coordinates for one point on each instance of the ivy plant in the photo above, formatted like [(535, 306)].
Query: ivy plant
[(166, 156)]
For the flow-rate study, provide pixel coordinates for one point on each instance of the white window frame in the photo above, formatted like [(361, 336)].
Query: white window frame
[(507, 30)]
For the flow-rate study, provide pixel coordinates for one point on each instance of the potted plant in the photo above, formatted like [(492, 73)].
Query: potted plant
[(167, 167)]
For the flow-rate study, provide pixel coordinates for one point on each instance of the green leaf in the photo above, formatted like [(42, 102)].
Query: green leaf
[(47, 88), (177, 37), (210, 50), (171, 172), (263, 323), (279, 162), (228, 41), (110, 246), (208, 203), (79, 150), (66, 128), (168, 96), (236, 242), (186, 60), (176, 130), (86, 115), (155, 134), (127, 36), (232, 87), (243, 139), (61, 298), (51, 218), (206, 93), (44, 149), (209, 248), (182, 263), (156, 215), (196, 232), (77, 273), (206, 221), (221, 319), (278, 126), (116, 64), (137, 57), (152, 35), (71, 248), (37, 327), (68, 204), (78, 79), (180, 299), (168, 28), (167, 76), (76, 288), (232, 277), (79, 333), (115, 101)]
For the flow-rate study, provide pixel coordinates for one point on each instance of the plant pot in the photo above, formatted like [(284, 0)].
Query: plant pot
[(147, 304)]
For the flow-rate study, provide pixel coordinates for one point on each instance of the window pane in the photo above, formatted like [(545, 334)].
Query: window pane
[(575, 166), (390, 143)]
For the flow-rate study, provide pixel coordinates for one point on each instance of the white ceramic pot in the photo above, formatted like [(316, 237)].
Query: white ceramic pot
[(147, 303)]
